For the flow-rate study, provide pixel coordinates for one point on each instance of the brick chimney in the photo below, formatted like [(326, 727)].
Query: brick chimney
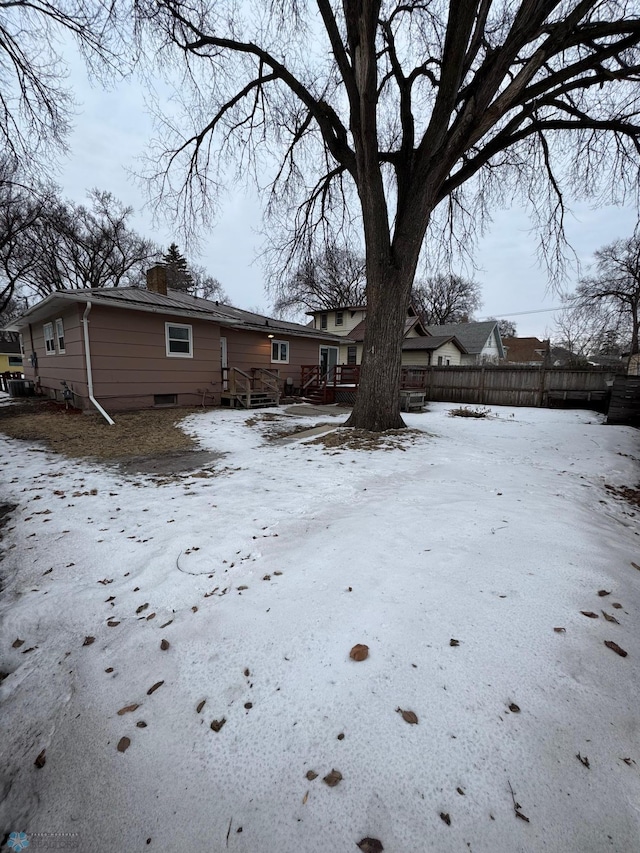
[(157, 279)]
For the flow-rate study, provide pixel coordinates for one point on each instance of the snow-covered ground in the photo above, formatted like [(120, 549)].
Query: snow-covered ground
[(492, 532)]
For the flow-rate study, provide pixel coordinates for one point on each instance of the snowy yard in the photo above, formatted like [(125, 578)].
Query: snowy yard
[(240, 589)]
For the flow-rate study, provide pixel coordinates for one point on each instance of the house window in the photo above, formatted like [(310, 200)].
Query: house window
[(280, 351), (179, 340), (439, 361), (60, 334), (352, 355), (49, 341), (339, 318), (323, 321), (15, 361)]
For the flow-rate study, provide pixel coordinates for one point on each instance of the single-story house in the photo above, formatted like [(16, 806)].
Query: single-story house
[(481, 340), (420, 347), (529, 351), (10, 353), (131, 348)]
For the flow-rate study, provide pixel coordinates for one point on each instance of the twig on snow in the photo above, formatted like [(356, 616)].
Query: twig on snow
[(517, 806)]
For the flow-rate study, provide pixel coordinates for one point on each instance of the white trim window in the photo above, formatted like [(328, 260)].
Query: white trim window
[(49, 340), (280, 352), (60, 334), (179, 340)]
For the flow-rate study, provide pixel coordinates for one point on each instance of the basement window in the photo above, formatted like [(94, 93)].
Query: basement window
[(179, 340), (165, 399)]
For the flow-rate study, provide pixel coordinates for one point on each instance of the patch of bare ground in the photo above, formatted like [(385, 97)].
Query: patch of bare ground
[(149, 433), (275, 426), (347, 438), (625, 493)]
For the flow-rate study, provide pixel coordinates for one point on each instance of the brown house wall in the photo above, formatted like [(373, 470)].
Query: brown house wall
[(128, 359), (253, 349), (53, 369)]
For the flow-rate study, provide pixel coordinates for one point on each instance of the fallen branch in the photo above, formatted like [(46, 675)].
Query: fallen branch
[(517, 806)]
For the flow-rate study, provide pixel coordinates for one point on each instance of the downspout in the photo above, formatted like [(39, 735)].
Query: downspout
[(87, 355)]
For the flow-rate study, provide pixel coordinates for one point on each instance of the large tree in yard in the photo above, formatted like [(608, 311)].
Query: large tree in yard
[(614, 293), (399, 117)]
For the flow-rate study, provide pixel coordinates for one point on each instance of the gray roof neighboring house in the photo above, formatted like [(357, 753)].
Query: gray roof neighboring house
[(174, 302), (433, 342), (473, 336)]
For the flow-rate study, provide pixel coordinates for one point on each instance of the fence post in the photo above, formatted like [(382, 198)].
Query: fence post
[(481, 400)]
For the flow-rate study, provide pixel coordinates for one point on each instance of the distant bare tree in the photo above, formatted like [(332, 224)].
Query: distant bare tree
[(507, 328), (613, 292), (206, 286), (331, 277), (65, 245), (399, 115), (446, 298), (581, 328)]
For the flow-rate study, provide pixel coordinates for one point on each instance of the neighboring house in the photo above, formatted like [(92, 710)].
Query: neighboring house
[(10, 354), (481, 341), (129, 348), (526, 351), (419, 348)]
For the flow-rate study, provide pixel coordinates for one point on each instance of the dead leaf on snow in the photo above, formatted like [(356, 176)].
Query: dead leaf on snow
[(635, 566), (560, 630), (311, 775), (123, 744), (128, 708), (460, 791), (370, 845), (40, 760), (628, 761), (603, 592), (164, 645), (583, 760), (17, 643), (359, 652), (609, 617), (515, 709), (112, 624), (154, 688), (142, 607), (615, 648), (200, 706), (88, 641), (589, 613), (446, 818), (617, 605), (408, 716), (332, 779), (216, 725), (166, 624), (453, 642)]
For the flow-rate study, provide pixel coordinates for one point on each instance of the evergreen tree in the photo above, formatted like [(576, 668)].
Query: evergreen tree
[(179, 276)]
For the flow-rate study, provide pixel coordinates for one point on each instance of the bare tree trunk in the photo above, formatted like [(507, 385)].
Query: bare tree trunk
[(377, 405)]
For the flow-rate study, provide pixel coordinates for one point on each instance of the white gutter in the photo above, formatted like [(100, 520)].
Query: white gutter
[(87, 355)]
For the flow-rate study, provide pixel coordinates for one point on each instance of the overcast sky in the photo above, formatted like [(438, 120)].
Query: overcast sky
[(112, 130)]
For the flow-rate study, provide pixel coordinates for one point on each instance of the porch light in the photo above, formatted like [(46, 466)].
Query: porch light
[(269, 336)]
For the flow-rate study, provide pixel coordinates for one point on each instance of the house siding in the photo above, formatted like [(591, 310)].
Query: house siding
[(55, 368), (246, 350), (128, 359), (350, 320)]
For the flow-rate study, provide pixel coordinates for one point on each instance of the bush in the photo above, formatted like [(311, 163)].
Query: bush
[(464, 412)]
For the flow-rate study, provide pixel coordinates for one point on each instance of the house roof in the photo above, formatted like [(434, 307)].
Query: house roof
[(433, 342), (357, 333), (174, 303), (525, 350), (337, 308), (473, 336)]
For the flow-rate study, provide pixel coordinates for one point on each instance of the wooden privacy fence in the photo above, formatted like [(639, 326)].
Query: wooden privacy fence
[(513, 385)]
